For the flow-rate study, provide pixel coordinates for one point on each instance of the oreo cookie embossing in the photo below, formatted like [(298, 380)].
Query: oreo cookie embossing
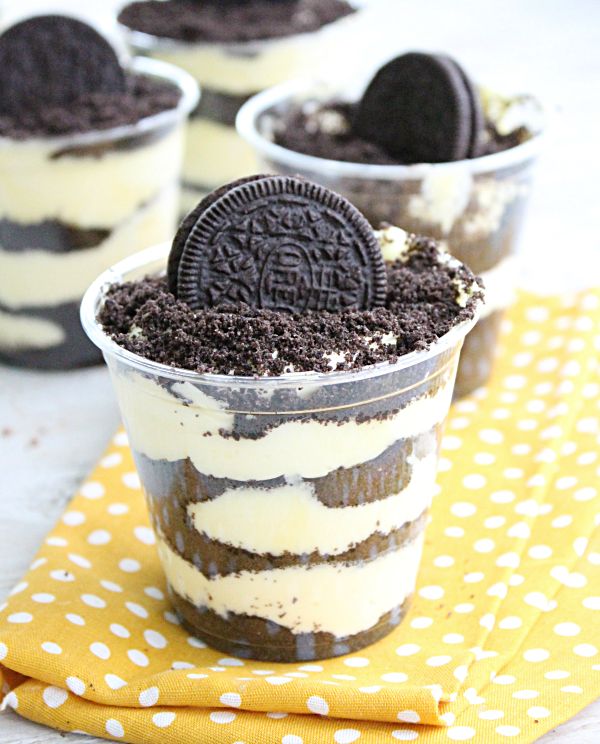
[(282, 244)]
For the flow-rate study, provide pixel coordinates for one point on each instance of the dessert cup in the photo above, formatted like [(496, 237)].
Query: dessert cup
[(229, 74), (474, 207), (70, 207), (289, 511)]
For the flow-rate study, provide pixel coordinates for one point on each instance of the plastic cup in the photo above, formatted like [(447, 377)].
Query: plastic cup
[(476, 207), (289, 511), (70, 207), (229, 74)]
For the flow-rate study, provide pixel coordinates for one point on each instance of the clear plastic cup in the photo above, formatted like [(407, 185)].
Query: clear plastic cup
[(475, 207), (70, 207), (229, 74), (289, 511)]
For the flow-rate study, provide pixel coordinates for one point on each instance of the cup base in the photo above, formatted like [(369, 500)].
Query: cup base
[(279, 644)]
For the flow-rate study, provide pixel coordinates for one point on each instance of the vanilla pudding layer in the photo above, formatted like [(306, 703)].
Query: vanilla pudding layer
[(375, 501), (205, 432), (320, 598), (74, 269), (248, 67), (252, 526), (360, 484), (214, 558), (291, 519), (215, 154), (66, 214), (87, 188), (228, 75), (24, 331)]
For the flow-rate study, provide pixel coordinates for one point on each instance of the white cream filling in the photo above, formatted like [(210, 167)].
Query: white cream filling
[(215, 154), (509, 112), (35, 278), (499, 283), (445, 194), (291, 518), (464, 291), (241, 69), (334, 359), (492, 197), (89, 191), (22, 332), (394, 243), (160, 427), (333, 598)]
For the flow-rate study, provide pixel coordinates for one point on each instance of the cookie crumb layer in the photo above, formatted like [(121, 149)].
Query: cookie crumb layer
[(186, 20), (429, 293)]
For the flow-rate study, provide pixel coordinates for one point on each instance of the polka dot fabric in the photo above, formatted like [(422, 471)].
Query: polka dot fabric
[(500, 644)]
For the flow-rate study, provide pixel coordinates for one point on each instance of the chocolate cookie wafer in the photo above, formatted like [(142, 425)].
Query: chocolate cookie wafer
[(279, 243), (54, 60), (420, 108)]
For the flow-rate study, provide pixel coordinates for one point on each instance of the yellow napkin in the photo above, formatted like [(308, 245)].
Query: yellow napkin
[(502, 640)]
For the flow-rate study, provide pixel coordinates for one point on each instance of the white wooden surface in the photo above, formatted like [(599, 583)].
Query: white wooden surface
[(53, 427)]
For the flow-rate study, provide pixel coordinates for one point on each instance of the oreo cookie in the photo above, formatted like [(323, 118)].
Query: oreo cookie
[(53, 60), (279, 243), (477, 117), (421, 108)]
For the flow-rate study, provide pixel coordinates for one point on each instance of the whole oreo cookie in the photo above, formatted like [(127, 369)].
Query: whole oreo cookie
[(421, 108), (52, 60), (280, 243)]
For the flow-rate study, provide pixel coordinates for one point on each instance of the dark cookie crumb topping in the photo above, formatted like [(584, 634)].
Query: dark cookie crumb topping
[(325, 131), (144, 96), (231, 20), (146, 319)]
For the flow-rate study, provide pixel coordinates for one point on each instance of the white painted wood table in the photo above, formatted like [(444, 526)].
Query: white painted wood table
[(53, 427)]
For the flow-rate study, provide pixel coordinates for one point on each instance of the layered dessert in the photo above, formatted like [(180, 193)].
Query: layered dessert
[(233, 48), (425, 148), (284, 388), (90, 166)]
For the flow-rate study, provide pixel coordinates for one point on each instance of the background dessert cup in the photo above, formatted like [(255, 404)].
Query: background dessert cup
[(475, 207), (289, 510), (72, 205), (229, 74)]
